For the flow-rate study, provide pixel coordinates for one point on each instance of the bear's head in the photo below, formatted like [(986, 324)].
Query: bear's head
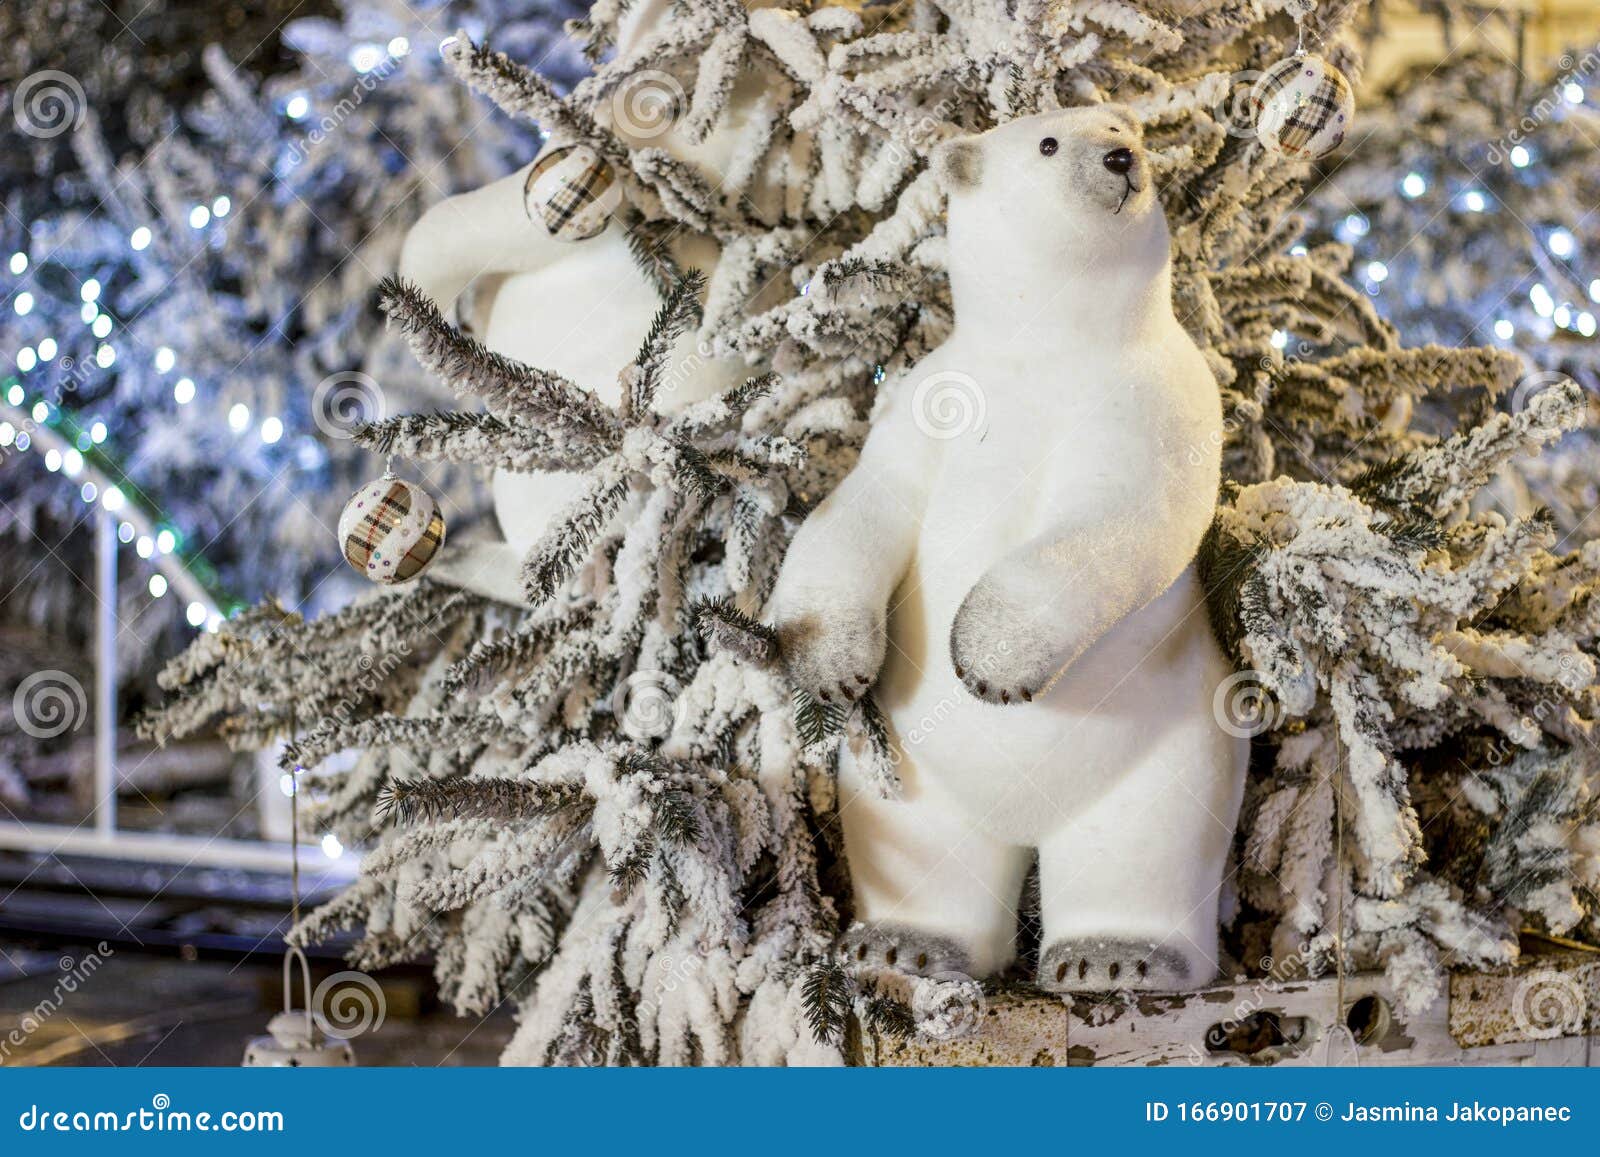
[(1074, 180)]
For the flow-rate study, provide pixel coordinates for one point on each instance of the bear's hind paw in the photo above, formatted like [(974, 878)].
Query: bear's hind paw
[(902, 949), (1110, 964)]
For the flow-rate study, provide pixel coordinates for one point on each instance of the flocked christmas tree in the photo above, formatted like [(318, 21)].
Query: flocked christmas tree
[(603, 803)]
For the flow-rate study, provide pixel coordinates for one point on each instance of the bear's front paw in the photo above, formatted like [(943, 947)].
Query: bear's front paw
[(833, 655), (997, 654)]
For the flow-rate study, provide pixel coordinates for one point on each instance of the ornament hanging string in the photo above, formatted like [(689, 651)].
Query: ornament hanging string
[(1300, 11), (294, 828), (1340, 1028)]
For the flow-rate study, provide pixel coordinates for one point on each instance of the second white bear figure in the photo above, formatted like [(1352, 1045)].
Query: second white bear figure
[(1050, 669)]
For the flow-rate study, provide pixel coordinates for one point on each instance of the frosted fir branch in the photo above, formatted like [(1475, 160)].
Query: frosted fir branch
[(886, 1015), (720, 64), (792, 43), (877, 759), (346, 910), (1528, 851), (716, 415), (678, 314), (1436, 479), (566, 543), (521, 92), (400, 848), (503, 865), (650, 244), (468, 437), (1126, 20), (695, 472), (880, 274), (684, 194), (1384, 823), (258, 663), (510, 388), (827, 995), (816, 722), (1226, 566), (727, 628), (490, 659), (411, 734), (473, 797)]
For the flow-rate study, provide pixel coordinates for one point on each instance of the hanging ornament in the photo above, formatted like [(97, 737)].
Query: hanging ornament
[(1303, 105), (573, 191), (391, 529), (296, 1038)]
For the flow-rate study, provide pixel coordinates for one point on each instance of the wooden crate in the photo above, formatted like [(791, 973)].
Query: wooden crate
[(1543, 1011)]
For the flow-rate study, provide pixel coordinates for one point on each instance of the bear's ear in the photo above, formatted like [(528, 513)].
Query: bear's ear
[(958, 163), (1126, 116)]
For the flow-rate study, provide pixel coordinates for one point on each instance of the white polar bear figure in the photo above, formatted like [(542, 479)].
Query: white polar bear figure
[(1051, 670), (577, 308)]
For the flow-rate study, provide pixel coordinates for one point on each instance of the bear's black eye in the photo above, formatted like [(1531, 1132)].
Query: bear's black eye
[(1048, 146)]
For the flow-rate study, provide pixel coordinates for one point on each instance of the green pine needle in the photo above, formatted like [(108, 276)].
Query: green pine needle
[(826, 995)]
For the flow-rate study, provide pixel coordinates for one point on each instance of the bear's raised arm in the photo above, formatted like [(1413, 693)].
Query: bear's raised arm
[(1044, 604), (474, 234), (832, 596)]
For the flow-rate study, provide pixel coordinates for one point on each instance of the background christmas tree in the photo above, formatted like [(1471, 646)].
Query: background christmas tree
[(1468, 206), (202, 201), (604, 804)]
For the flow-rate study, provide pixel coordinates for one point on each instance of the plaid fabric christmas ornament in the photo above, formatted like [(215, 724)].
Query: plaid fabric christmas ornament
[(390, 530), (573, 191), (1303, 107)]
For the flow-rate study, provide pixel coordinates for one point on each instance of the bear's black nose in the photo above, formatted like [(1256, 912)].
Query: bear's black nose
[(1119, 161)]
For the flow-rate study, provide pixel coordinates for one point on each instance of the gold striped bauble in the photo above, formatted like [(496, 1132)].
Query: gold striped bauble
[(390, 530), (1303, 106), (572, 191)]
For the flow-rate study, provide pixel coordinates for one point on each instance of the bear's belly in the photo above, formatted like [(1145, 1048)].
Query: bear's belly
[(1139, 702)]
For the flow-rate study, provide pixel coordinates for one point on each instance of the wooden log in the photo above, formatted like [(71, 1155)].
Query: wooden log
[(1543, 1011)]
